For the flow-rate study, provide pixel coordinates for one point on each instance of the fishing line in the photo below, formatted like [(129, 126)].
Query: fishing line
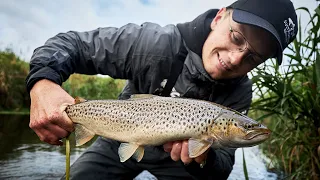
[(67, 158)]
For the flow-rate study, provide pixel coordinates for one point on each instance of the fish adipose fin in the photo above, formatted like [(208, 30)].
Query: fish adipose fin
[(126, 150), (198, 147), (82, 134)]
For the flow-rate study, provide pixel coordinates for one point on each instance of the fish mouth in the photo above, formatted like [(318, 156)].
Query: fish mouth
[(261, 133)]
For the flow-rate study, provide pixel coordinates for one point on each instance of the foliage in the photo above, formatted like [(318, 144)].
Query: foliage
[(13, 71), (289, 101), (93, 87)]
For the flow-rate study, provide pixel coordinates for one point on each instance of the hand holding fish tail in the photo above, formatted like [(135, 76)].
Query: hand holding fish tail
[(179, 151), (47, 116)]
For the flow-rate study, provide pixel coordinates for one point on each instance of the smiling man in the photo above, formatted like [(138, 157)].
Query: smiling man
[(207, 58)]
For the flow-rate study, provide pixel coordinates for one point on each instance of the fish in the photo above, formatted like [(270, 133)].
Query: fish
[(146, 119)]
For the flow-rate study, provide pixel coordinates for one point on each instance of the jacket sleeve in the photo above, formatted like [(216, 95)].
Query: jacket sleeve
[(118, 52), (82, 52)]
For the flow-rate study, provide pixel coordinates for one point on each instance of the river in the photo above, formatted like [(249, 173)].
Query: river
[(24, 156)]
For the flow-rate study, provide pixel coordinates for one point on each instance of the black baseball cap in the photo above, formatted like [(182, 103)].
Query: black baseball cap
[(276, 16)]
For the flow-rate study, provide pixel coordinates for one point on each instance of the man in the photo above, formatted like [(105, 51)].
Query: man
[(217, 49)]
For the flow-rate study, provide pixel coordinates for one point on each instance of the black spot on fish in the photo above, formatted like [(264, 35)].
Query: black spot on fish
[(235, 124), (220, 123)]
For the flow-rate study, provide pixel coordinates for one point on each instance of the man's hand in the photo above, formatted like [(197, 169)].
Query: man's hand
[(179, 150), (47, 116)]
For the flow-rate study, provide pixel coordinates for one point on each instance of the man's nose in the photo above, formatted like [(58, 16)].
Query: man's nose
[(236, 58)]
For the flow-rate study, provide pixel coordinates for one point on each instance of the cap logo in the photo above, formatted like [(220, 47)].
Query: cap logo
[(289, 29)]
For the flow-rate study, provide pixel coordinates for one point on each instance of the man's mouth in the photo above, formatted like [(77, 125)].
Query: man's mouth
[(223, 64)]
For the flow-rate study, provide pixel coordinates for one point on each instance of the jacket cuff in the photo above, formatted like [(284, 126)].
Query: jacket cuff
[(215, 168), (43, 73)]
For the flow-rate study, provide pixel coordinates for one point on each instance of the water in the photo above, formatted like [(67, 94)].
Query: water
[(24, 156)]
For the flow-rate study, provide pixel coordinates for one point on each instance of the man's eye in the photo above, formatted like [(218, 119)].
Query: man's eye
[(237, 39)]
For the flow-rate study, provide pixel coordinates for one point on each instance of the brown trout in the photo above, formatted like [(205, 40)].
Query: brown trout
[(154, 120)]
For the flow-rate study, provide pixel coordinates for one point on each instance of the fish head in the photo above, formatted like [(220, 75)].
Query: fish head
[(234, 130)]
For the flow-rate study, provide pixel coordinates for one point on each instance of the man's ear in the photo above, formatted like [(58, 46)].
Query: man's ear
[(218, 17)]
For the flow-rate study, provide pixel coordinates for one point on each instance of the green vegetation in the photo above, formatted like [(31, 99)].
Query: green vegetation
[(15, 99), (93, 87), (13, 93), (289, 102)]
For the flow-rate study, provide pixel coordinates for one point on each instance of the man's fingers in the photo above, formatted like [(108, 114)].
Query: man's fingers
[(51, 134), (200, 159), (185, 153), (168, 147), (66, 123), (176, 151)]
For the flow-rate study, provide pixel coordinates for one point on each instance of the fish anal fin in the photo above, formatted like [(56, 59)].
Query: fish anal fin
[(78, 100), (82, 134), (197, 147), (138, 154), (126, 150)]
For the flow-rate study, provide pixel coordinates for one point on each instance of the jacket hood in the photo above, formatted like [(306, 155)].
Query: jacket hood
[(196, 32)]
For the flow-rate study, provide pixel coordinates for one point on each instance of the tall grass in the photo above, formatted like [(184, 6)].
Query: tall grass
[(289, 101)]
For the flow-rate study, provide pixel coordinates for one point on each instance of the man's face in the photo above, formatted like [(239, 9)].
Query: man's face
[(223, 58)]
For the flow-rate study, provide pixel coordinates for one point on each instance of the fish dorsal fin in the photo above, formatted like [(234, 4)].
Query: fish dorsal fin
[(78, 100), (126, 150), (82, 134), (198, 146), (141, 96)]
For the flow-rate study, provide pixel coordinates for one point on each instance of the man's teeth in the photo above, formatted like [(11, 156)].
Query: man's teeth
[(223, 63)]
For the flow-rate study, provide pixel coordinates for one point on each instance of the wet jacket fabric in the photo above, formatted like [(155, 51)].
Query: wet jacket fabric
[(143, 54)]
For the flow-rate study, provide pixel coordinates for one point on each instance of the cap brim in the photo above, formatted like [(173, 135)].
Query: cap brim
[(252, 19)]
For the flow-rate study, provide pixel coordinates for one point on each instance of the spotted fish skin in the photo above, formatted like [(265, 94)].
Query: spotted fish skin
[(154, 120)]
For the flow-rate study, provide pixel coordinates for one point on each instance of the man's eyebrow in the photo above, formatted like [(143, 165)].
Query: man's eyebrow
[(242, 30)]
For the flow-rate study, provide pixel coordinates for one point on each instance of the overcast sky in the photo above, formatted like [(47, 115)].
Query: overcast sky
[(26, 25)]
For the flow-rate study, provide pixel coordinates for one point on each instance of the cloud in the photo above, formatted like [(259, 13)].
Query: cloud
[(26, 25)]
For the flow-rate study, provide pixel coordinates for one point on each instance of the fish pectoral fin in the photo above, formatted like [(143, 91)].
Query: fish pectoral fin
[(82, 134), (138, 154), (197, 147), (78, 100), (126, 150)]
